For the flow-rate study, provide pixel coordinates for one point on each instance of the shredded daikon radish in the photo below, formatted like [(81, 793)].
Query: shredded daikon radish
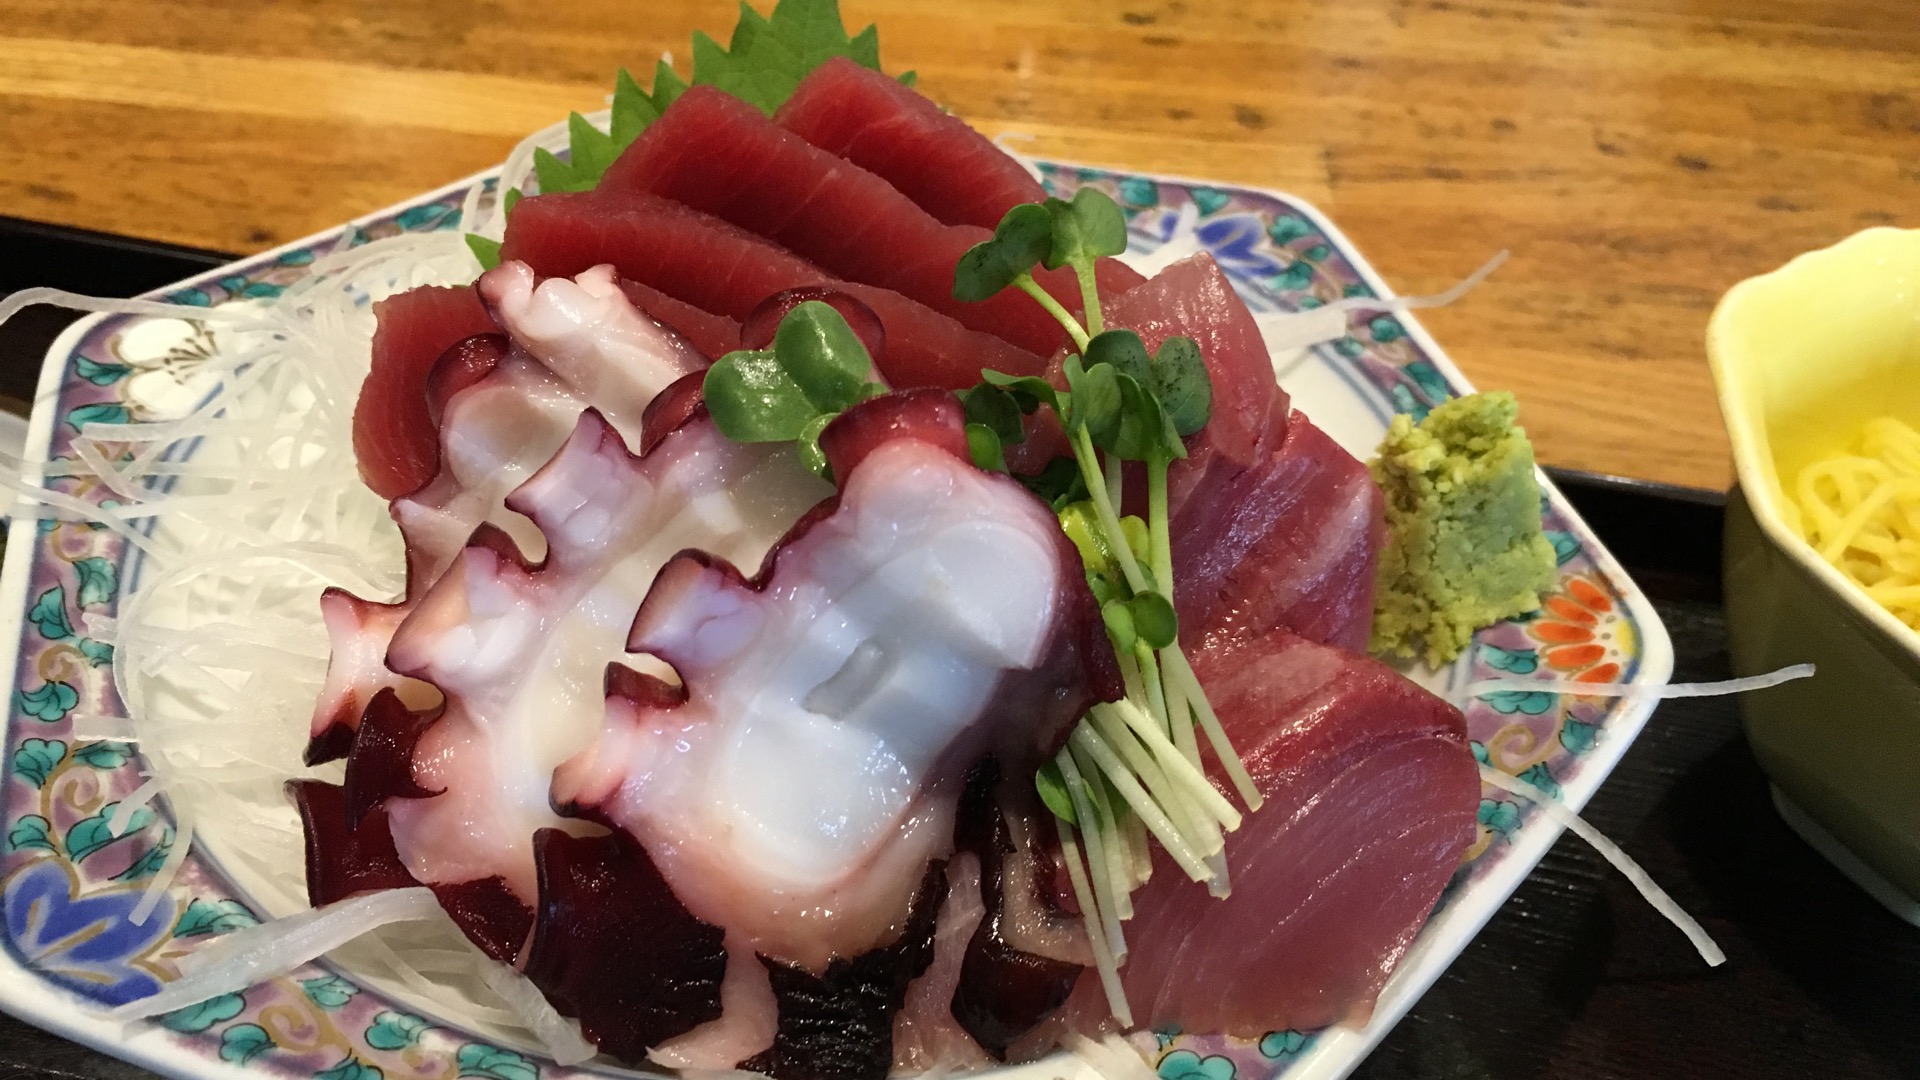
[(170, 866), (1636, 690), (1294, 330), (1113, 1058), (19, 301), (242, 958), (559, 1036), (238, 512), (131, 804), (1654, 894)]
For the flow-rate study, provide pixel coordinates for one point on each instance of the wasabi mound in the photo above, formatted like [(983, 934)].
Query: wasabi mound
[(1464, 546)]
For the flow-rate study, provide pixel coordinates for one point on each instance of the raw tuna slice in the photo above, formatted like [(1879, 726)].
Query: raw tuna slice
[(1193, 298), (1371, 795), (718, 268), (950, 170), (714, 335), (1273, 523), (717, 154), (393, 437), (1293, 542)]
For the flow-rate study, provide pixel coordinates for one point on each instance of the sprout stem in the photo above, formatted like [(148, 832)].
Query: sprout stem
[(1089, 297), (1088, 460), (1192, 780), (1103, 958), (1150, 674), (1096, 851), (1086, 740), (1061, 315), (1217, 735)]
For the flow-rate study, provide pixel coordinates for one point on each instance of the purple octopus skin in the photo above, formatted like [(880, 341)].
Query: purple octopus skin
[(1005, 991)]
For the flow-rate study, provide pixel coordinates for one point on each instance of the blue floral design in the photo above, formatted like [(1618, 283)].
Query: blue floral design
[(395, 1031), (329, 991), (493, 1063), (35, 759), (203, 1015), (87, 944), (1286, 229), (101, 412), (1528, 702), (49, 613), (1542, 777), (1234, 242), (49, 702), (99, 581), (1501, 817), (1276, 1044), (1517, 661), (1187, 1065), (1139, 191), (1565, 546), (1209, 201), (30, 833), (242, 1043), (1578, 736), (100, 374)]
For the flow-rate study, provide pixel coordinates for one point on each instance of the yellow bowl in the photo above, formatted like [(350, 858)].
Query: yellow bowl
[(1803, 357)]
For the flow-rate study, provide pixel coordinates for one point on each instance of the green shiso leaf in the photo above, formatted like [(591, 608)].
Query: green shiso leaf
[(485, 250)]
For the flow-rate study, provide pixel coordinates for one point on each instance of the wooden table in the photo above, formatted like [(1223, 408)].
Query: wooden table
[(1637, 156)]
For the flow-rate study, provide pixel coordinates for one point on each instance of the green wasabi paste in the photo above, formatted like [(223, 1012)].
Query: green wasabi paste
[(1464, 547)]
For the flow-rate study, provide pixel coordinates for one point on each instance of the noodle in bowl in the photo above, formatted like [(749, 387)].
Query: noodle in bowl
[(1806, 359)]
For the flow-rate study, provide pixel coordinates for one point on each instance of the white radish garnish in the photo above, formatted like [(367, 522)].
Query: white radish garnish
[(242, 958), (1612, 852)]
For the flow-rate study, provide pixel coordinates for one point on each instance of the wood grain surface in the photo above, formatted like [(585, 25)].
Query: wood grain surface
[(1636, 156)]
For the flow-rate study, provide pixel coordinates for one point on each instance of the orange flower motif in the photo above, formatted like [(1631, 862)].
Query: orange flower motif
[(1584, 633)]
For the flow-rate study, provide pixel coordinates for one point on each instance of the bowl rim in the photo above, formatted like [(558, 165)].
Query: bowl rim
[(1753, 461)]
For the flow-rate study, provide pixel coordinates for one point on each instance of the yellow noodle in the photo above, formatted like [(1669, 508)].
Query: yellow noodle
[(1861, 511)]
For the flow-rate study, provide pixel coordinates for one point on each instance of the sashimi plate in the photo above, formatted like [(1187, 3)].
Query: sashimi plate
[(72, 876)]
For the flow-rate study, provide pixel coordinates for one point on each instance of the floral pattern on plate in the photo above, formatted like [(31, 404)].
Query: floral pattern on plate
[(73, 869)]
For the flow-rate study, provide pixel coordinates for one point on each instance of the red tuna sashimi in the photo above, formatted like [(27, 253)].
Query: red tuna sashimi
[(1193, 298), (1271, 527), (1371, 795), (1294, 541), (714, 335), (717, 154), (718, 268), (950, 170), (394, 438), (931, 156)]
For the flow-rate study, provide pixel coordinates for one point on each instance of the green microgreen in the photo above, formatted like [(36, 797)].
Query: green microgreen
[(1120, 403), (997, 410), (1058, 483), (986, 449), (1053, 792), (1052, 234), (1023, 238), (816, 368)]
